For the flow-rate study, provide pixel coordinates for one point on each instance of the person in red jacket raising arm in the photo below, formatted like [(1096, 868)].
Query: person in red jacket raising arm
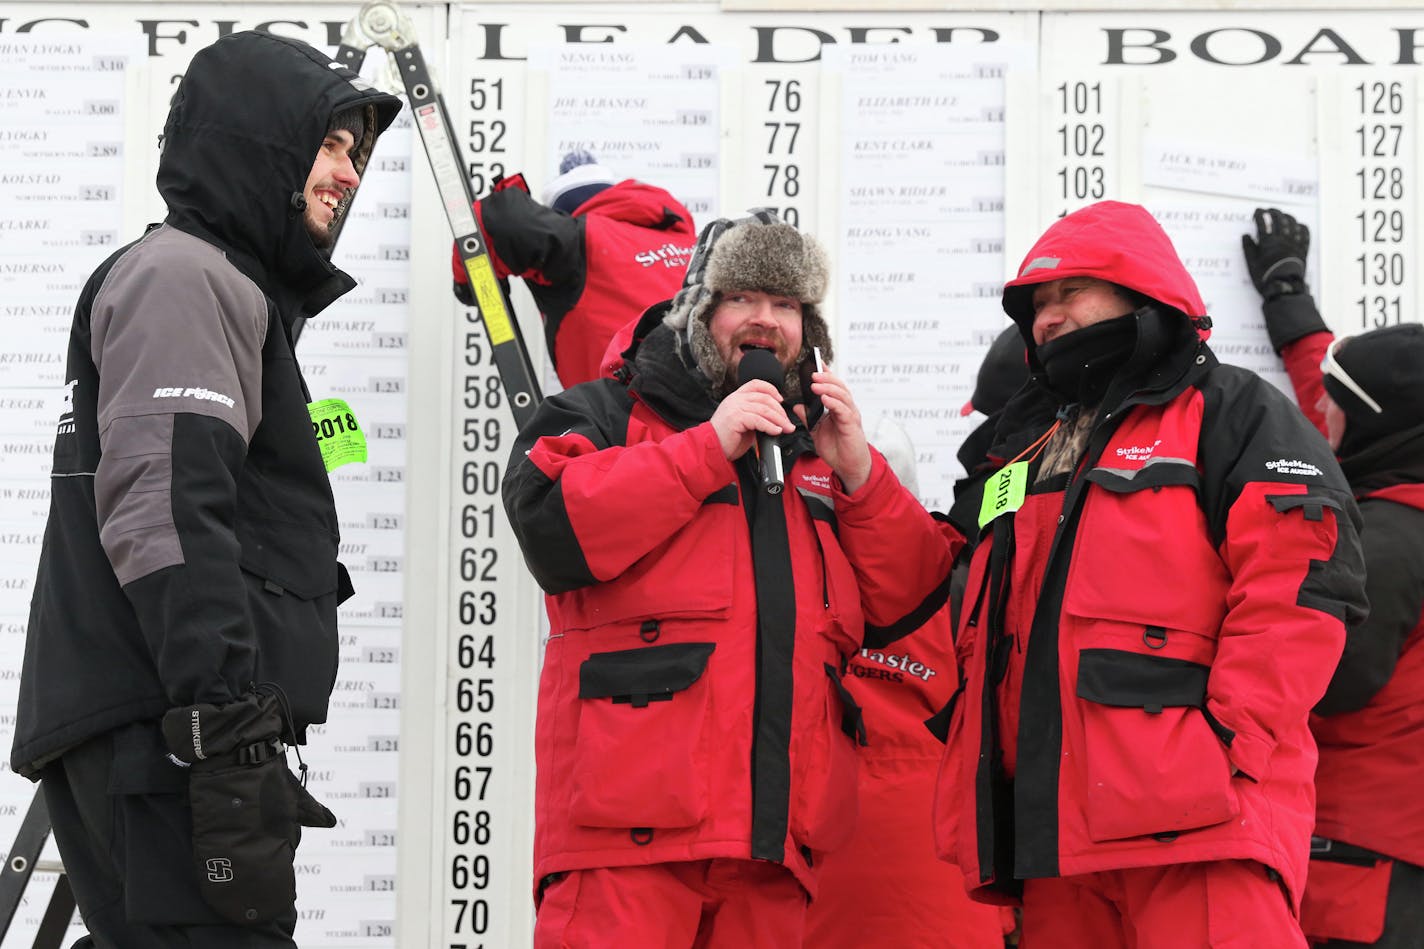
[(595, 253), (694, 743), (1166, 561), (1366, 394)]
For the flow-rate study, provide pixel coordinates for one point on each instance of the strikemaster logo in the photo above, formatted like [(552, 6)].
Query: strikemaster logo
[(902, 664), (1138, 452), (669, 255), (1293, 466), (195, 725)]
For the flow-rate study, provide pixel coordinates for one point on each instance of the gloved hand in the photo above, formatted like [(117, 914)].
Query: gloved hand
[(247, 807), (1276, 261), (1276, 258), (463, 291)]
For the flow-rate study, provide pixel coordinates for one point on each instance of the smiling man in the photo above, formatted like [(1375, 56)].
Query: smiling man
[(183, 628), (695, 746), (333, 178)]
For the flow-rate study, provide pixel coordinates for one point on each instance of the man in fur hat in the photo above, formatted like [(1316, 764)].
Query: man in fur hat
[(1365, 393), (695, 745)]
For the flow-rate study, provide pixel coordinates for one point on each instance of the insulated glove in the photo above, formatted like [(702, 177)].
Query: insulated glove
[(247, 807), (463, 292), (1276, 261), (1276, 258)]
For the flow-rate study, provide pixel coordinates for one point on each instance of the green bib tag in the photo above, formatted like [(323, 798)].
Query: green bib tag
[(1004, 492), (337, 435)]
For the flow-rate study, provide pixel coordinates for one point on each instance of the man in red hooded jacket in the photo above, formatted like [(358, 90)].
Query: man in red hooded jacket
[(1366, 885), (1165, 563), (594, 254)]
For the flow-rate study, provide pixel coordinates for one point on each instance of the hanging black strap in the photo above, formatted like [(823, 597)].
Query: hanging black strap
[(1001, 558)]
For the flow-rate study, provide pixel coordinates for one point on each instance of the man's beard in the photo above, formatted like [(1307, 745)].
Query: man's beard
[(322, 235)]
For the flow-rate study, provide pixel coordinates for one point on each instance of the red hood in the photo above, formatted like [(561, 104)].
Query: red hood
[(642, 204), (1113, 241)]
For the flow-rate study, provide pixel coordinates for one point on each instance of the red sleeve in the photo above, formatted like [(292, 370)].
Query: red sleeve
[(900, 553), (584, 504), (529, 240), (1302, 359)]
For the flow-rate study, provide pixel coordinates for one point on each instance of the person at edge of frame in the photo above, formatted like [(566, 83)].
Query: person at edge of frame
[(1366, 395), (594, 252), (695, 746), (1165, 564), (887, 886), (183, 626)]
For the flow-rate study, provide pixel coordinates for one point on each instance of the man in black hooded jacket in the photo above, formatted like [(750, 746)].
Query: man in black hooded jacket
[(183, 627)]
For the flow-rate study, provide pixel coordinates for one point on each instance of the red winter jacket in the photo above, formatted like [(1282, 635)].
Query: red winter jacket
[(1173, 608), (690, 705), (1372, 746), (1370, 724), (621, 251)]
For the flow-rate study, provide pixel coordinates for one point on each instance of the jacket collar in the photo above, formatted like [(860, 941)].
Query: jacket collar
[(1033, 409), (1394, 460)]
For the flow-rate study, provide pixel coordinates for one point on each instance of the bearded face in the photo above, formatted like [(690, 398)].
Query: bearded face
[(751, 319)]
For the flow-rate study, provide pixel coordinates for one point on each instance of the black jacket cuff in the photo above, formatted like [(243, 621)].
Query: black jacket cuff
[(1292, 317)]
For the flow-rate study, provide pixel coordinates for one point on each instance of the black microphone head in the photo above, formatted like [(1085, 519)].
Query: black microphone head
[(760, 364)]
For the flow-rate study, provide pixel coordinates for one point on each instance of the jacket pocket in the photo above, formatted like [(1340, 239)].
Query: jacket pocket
[(824, 785), (294, 583), (290, 558), (1153, 520), (640, 758), (1153, 763), (687, 577)]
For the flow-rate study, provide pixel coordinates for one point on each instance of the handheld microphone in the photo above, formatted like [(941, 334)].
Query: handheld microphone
[(762, 364)]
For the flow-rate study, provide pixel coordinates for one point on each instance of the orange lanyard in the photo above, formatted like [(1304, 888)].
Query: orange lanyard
[(1038, 446)]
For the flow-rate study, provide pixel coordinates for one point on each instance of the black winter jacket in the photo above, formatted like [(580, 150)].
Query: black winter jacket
[(191, 545)]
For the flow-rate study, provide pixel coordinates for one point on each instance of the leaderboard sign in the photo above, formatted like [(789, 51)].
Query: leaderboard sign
[(925, 149)]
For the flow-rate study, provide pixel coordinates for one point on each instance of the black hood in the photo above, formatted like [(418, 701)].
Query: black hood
[(661, 374), (244, 128)]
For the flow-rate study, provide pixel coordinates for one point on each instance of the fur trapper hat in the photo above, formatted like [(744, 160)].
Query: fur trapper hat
[(762, 253)]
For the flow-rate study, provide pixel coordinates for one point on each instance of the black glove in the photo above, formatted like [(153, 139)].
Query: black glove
[(247, 807), (1276, 258)]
